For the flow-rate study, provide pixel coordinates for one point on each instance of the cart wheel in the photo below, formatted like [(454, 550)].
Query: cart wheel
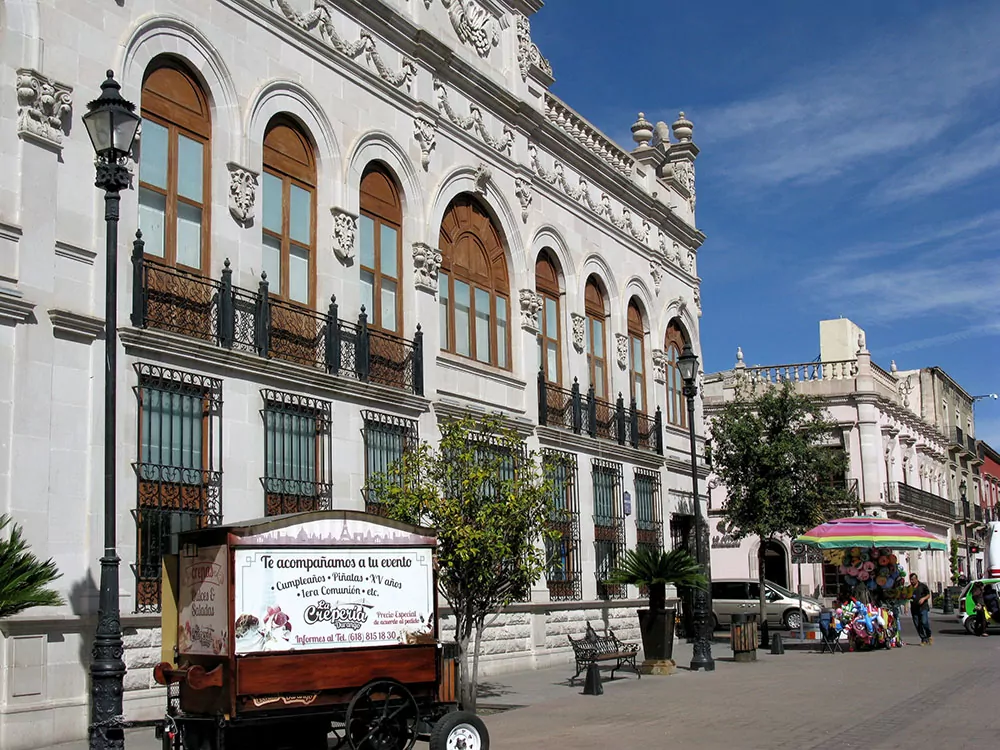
[(382, 716), (460, 730)]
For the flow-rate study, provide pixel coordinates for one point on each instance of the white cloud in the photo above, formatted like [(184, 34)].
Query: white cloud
[(884, 98), (977, 331)]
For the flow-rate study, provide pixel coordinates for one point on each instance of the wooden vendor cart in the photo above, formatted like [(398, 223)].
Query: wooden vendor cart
[(308, 631)]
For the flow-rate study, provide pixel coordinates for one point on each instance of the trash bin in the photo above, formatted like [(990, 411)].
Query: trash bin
[(743, 637)]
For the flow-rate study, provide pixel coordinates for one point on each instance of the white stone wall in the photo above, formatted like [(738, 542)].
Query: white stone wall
[(364, 91)]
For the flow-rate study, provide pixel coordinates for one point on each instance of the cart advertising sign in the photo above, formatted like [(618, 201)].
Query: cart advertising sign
[(313, 598), (203, 626)]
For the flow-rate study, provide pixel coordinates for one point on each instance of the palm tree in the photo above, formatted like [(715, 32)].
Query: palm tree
[(656, 569), (23, 577)]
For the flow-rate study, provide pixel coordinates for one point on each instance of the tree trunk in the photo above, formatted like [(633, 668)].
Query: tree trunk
[(475, 668), (761, 550), (466, 690)]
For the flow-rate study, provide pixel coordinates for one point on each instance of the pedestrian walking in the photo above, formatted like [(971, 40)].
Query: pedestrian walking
[(920, 609)]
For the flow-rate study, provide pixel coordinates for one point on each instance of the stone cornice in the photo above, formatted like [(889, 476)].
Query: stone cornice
[(74, 325), (159, 345), (14, 308), (553, 437), (683, 466), (453, 408)]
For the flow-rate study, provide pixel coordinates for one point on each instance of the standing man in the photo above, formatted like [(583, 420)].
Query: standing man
[(920, 609)]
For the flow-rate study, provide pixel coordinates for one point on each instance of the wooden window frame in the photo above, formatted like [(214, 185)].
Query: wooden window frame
[(674, 342), (382, 213), (636, 331), (597, 314), (489, 286), (285, 169), (549, 290), (178, 121)]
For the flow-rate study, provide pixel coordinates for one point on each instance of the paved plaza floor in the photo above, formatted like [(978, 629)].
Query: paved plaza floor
[(922, 697)]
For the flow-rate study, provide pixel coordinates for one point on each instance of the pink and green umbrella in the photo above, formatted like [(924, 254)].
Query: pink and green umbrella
[(843, 533)]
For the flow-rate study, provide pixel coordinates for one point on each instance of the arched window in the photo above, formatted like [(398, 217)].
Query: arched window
[(473, 288), (380, 231), (174, 162), (674, 345), (597, 361), (549, 326), (636, 356), (289, 210)]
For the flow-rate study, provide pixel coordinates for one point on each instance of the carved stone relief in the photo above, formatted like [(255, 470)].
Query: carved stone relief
[(425, 132), (531, 304), (528, 53), (697, 299), (621, 346), (320, 19), (656, 272), (44, 107), (556, 177), (474, 122), (426, 263), (522, 189), (684, 174), (659, 366), (474, 24), (242, 192), (578, 330), (345, 233), (482, 177)]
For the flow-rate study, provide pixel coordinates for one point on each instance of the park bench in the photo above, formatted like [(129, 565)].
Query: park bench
[(594, 648)]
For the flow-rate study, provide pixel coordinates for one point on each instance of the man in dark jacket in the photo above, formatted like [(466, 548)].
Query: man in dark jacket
[(920, 610)]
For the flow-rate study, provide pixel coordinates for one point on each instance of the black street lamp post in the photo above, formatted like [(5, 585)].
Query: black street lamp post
[(687, 363), (112, 124)]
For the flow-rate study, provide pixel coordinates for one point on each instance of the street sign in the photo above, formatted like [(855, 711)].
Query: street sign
[(804, 553), (628, 504)]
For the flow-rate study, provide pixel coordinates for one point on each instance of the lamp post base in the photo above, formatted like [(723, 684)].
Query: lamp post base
[(702, 658), (107, 670)]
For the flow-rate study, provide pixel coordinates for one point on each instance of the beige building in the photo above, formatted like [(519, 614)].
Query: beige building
[(358, 218), (906, 459)]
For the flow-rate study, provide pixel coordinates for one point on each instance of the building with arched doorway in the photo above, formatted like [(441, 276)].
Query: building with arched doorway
[(907, 436), (357, 220)]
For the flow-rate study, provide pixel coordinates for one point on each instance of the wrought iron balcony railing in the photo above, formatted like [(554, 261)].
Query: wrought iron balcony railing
[(234, 318), (569, 409), (918, 499)]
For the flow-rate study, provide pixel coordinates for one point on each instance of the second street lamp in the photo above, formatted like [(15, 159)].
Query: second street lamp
[(687, 363), (962, 488), (112, 124)]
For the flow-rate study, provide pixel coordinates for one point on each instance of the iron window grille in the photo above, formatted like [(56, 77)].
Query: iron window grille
[(297, 453), (178, 470), (563, 552), (609, 526), (648, 516), (386, 437)]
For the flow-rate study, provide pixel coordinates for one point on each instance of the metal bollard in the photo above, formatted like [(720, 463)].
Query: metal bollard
[(946, 607), (592, 685), (777, 647)]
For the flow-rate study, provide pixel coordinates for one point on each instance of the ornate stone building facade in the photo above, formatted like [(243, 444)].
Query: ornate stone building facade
[(357, 219), (905, 458)]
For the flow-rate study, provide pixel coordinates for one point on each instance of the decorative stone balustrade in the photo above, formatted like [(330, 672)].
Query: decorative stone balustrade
[(575, 126), (841, 370)]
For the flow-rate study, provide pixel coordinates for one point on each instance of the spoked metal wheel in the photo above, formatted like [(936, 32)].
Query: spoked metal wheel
[(459, 730), (793, 619), (382, 716)]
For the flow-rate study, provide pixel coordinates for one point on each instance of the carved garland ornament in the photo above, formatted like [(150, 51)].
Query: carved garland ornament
[(474, 122), (528, 53), (621, 344), (425, 132), (684, 174), (659, 366), (44, 107), (581, 194), (320, 18), (242, 192), (522, 189), (656, 272)]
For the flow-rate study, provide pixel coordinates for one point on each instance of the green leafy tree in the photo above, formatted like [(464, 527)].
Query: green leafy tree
[(490, 504), (769, 448), (23, 577), (656, 569)]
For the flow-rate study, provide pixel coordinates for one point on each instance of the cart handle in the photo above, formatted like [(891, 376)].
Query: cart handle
[(196, 676)]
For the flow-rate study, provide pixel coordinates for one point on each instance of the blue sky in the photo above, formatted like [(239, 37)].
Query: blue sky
[(850, 165)]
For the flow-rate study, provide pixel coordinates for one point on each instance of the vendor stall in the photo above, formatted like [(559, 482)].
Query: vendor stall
[(874, 582)]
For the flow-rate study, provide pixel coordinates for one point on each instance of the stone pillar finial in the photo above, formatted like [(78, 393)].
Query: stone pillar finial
[(739, 357), (642, 130), (892, 366), (683, 128)]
